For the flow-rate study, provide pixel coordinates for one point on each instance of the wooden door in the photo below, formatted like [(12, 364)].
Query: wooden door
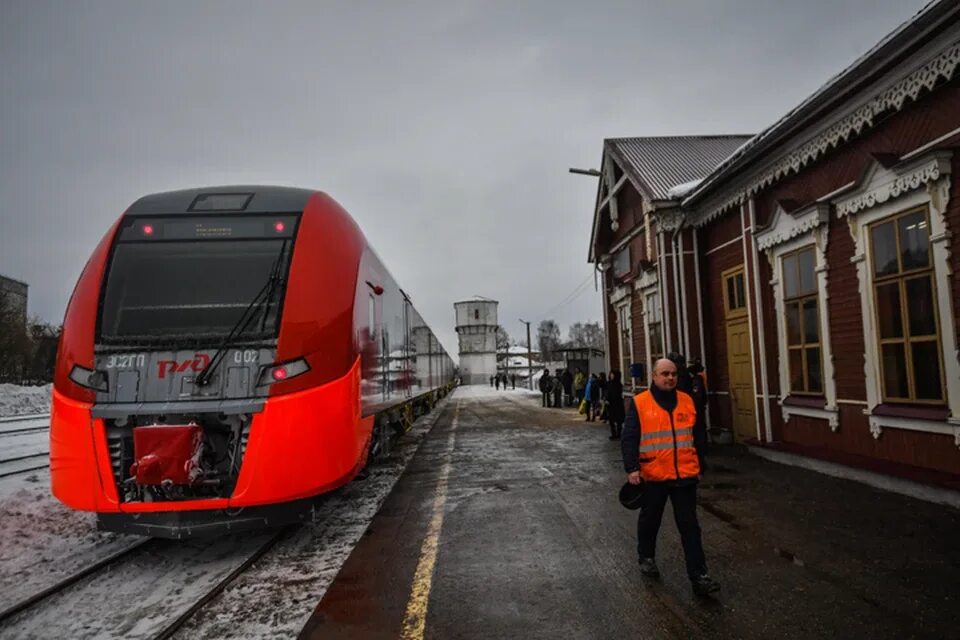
[(741, 379), (739, 354)]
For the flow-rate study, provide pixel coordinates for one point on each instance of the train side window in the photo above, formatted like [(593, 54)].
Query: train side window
[(371, 317)]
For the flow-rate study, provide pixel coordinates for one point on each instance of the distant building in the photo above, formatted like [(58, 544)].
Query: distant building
[(477, 333), (13, 300)]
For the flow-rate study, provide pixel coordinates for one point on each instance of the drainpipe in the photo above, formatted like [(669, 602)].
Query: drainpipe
[(680, 288), (606, 320), (696, 271), (662, 285), (768, 428)]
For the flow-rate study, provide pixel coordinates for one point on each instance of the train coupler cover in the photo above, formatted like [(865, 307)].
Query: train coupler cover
[(167, 454)]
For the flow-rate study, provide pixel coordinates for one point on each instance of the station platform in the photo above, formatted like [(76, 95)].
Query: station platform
[(506, 524)]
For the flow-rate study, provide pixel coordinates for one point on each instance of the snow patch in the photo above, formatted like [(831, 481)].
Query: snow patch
[(23, 401), (681, 190)]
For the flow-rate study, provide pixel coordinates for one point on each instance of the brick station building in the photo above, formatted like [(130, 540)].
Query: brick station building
[(813, 267)]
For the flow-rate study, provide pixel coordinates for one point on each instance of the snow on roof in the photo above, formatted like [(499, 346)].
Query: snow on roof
[(683, 189)]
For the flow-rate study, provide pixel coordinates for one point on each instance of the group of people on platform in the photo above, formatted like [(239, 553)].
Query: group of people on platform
[(501, 378), (596, 396)]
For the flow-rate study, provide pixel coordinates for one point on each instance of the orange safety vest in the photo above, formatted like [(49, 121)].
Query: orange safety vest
[(666, 440)]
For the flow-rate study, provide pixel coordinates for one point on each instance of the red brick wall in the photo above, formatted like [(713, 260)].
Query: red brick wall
[(930, 118), (927, 450), (715, 234)]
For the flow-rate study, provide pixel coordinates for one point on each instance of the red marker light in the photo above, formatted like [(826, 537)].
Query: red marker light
[(148, 229), (280, 373), (279, 227)]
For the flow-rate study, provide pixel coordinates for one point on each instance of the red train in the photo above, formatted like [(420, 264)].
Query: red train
[(229, 354)]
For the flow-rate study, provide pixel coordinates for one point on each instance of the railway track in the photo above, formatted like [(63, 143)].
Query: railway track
[(23, 444), (227, 558)]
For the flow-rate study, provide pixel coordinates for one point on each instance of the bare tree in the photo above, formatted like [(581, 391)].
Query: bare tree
[(14, 342), (503, 339), (586, 334), (548, 339)]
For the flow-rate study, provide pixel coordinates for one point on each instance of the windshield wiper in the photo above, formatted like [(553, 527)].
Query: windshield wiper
[(260, 301)]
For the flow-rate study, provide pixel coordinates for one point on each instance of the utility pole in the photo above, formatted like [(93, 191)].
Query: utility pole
[(529, 355)]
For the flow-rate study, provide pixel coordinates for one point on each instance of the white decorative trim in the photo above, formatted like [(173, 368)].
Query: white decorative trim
[(831, 416), (869, 210), (908, 89), (786, 226), (787, 233), (878, 423), (894, 183), (618, 294), (669, 221)]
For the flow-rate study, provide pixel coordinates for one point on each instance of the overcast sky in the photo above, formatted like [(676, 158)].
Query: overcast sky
[(446, 128)]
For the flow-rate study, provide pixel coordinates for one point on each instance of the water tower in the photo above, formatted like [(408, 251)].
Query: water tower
[(477, 332)]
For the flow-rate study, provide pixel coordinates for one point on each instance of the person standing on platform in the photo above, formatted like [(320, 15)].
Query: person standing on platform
[(513, 381), (590, 393), (659, 445), (545, 386), (491, 382), (557, 389), (579, 385), (567, 379), (615, 404)]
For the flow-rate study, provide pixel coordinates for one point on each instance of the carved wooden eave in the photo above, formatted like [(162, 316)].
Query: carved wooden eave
[(942, 66), (885, 184), (786, 226)]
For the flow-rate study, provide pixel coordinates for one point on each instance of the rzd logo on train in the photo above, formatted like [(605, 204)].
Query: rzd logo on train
[(196, 364)]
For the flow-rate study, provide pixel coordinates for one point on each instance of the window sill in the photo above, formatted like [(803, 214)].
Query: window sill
[(809, 407), (815, 402), (911, 411)]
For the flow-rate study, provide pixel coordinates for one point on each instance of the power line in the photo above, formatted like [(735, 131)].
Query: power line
[(570, 297)]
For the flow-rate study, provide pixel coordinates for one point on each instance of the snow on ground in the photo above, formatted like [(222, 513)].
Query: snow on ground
[(21, 401), (42, 541), (486, 391), (287, 583)]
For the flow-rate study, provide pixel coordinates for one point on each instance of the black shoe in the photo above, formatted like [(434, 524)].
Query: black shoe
[(649, 568), (705, 585), (613, 438)]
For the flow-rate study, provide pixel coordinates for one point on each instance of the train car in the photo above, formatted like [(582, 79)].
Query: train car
[(228, 355)]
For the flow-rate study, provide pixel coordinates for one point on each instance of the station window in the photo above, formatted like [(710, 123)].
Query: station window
[(906, 314), (621, 262), (801, 321), (735, 298), (654, 328)]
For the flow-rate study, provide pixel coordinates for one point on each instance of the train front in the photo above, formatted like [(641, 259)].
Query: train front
[(207, 379)]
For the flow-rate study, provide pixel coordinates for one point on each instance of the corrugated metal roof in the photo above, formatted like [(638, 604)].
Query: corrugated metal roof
[(660, 163)]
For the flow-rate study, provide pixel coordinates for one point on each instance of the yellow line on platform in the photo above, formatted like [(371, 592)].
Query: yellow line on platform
[(415, 619)]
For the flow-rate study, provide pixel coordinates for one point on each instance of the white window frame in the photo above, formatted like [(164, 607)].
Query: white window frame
[(786, 233), (922, 181), (646, 284), (621, 299)]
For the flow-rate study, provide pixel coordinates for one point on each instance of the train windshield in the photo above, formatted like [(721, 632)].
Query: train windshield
[(163, 286)]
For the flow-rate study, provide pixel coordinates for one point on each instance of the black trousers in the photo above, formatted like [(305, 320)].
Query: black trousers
[(684, 501), (546, 398)]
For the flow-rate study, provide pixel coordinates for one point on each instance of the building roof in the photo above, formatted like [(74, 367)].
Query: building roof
[(657, 164), (917, 29)]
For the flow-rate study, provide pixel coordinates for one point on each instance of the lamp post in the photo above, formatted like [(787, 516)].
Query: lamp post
[(529, 355)]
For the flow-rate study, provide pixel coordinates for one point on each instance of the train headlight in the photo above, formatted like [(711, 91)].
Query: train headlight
[(96, 380), (282, 372)]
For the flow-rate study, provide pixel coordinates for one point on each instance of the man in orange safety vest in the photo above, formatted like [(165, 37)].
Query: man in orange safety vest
[(660, 449)]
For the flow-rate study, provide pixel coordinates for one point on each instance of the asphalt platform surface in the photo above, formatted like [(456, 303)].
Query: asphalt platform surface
[(506, 525)]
